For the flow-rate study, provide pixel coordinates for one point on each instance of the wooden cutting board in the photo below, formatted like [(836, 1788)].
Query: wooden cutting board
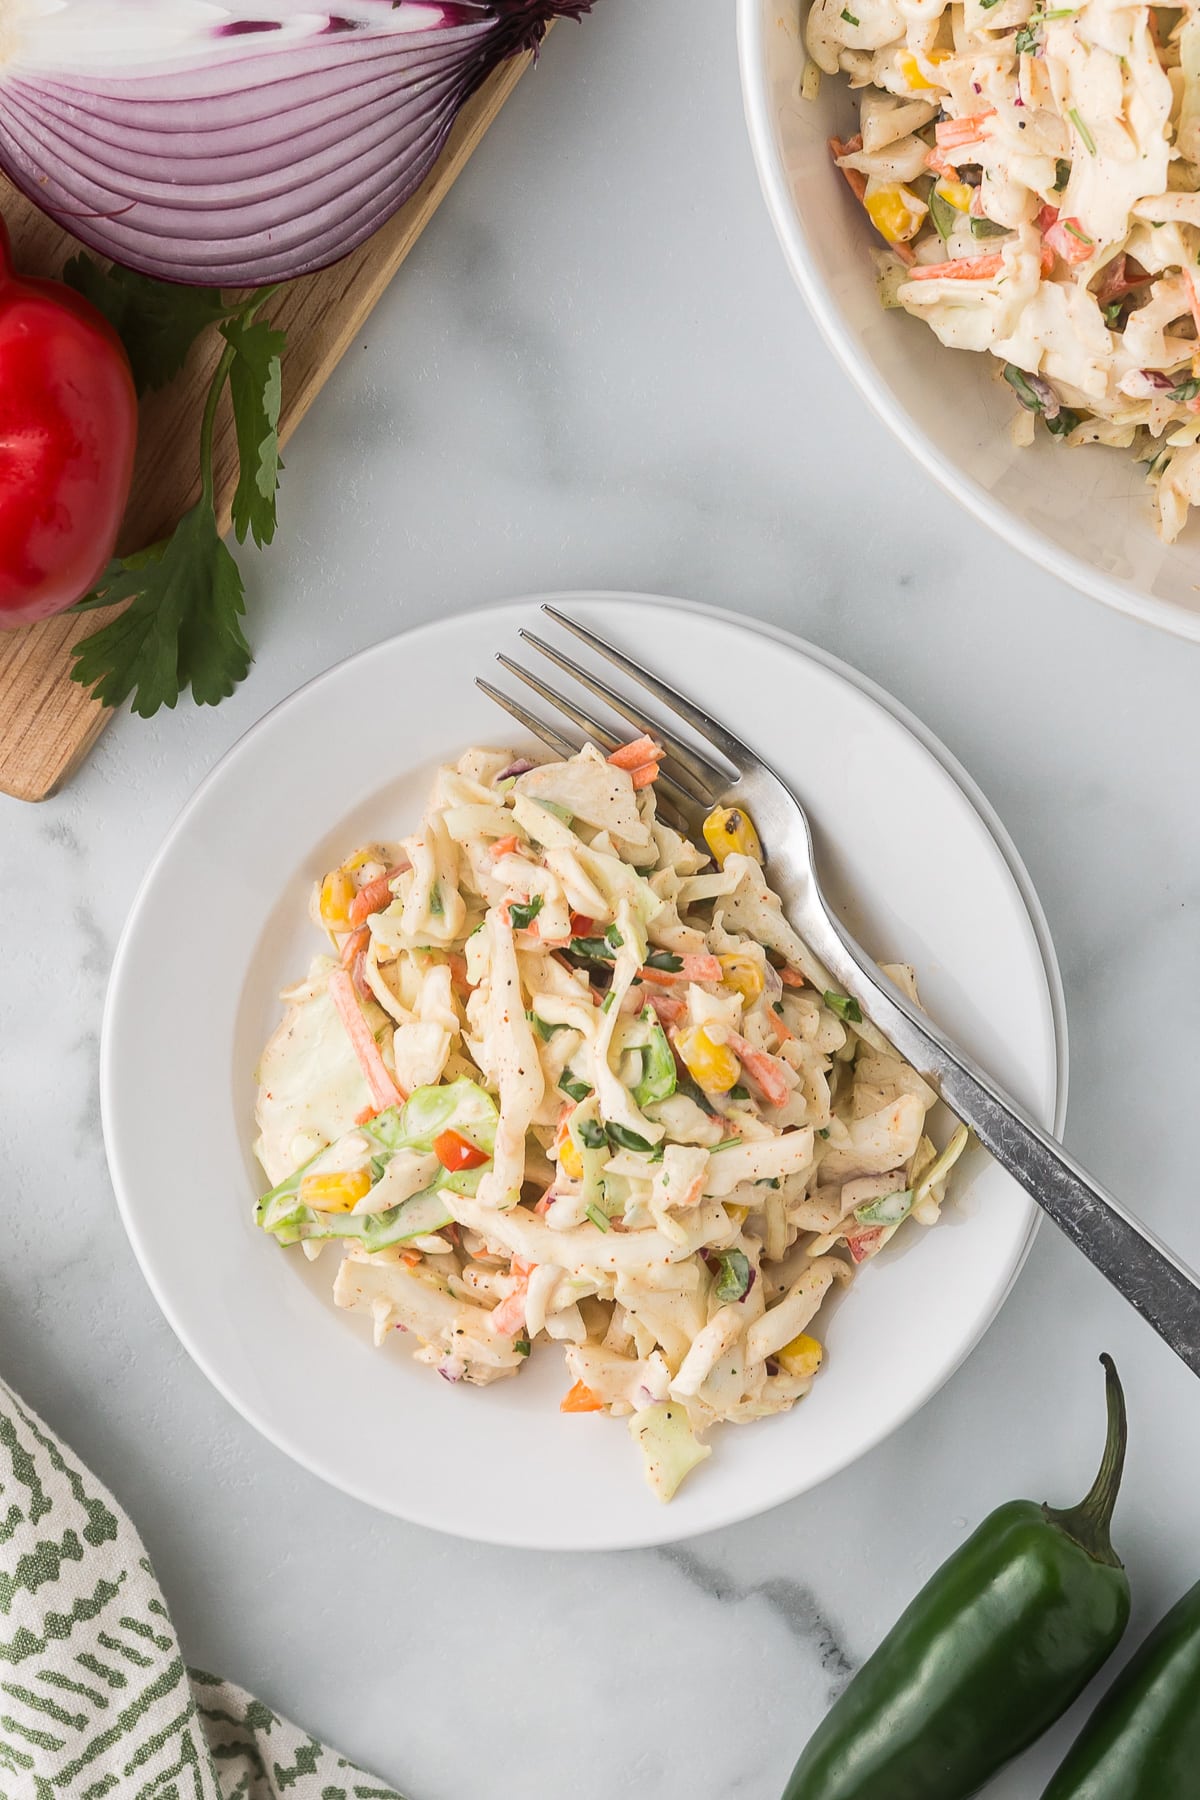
[(48, 723)]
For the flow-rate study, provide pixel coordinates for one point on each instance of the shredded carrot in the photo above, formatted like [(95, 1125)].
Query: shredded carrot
[(644, 775), (692, 968), (457, 964), (792, 978), (505, 846), (1073, 245), (383, 1089), (580, 1399), (781, 1028), (509, 1316), (411, 1257), (940, 165), (761, 1068), (855, 177), (1047, 217), (354, 945), (372, 897), (968, 268), (1046, 259), (366, 1115), (635, 755), (667, 1009), (952, 133), (354, 958)]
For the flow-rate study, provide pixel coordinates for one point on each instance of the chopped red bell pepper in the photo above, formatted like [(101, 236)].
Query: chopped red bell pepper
[(455, 1152)]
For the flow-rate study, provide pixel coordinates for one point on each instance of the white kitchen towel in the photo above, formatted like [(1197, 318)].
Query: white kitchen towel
[(96, 1702)]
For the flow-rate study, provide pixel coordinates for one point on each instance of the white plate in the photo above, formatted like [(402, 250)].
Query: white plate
[(1084, 515), (219, 926)]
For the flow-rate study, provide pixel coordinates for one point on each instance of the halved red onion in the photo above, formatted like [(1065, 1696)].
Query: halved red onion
[(238, 143)]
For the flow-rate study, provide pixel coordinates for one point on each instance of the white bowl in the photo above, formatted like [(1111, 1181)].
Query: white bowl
[(911, 853), (1085, 515)]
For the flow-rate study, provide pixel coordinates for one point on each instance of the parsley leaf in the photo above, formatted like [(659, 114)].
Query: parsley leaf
[(182, 627), (182, 630), (156, 321), (666, 960), (844, 1007), (255, 390)]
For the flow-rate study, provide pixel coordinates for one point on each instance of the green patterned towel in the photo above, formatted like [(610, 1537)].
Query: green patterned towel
[(95, 1699)]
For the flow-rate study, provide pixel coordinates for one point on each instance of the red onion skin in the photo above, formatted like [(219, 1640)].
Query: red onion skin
[(289, 159)]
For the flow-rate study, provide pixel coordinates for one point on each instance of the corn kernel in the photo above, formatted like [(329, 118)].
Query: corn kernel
[(337, 897), (569, 1159), (956, 194), (803, 1356), (912, 72), (738, 1214), (727, 830), (339, 1191), (712, 1066), (895, 213), (742, 974)]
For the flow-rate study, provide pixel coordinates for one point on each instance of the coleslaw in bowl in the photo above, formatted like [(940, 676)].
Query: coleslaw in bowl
[(1083, 513)]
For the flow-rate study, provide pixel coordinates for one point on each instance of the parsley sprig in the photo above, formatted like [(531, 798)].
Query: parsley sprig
[(182, 626)]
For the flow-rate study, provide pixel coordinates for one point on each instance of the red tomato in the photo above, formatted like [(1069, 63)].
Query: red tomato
[(582, 926), (456, 1152), (68, 429)]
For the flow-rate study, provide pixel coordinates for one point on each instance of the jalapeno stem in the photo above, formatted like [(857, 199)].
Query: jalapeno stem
[(1090, 1523)]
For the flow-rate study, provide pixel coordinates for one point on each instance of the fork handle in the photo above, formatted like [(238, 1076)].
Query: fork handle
[(1148, 1274)]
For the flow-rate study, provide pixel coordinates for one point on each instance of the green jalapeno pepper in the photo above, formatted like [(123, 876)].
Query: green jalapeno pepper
[(998, 1644), (1143, 1740)]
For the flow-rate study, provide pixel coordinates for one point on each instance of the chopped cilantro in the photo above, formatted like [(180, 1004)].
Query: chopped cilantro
[(522, 913), (621, 1138), (844, 1007), (543, 1028)]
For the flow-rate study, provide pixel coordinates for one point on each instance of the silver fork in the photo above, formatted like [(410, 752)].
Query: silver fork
[(1149, 1275)]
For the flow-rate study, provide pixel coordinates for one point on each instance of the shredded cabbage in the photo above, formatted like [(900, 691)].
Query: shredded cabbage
[(574, 1161)]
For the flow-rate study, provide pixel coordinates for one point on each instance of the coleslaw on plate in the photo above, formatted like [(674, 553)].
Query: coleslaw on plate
[(562, 1075), (1035, 172)]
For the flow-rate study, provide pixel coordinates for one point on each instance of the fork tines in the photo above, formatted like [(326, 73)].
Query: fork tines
[(692, 778)]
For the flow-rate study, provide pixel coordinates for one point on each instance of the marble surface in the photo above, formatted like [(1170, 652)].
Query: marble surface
[(595, 372)]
